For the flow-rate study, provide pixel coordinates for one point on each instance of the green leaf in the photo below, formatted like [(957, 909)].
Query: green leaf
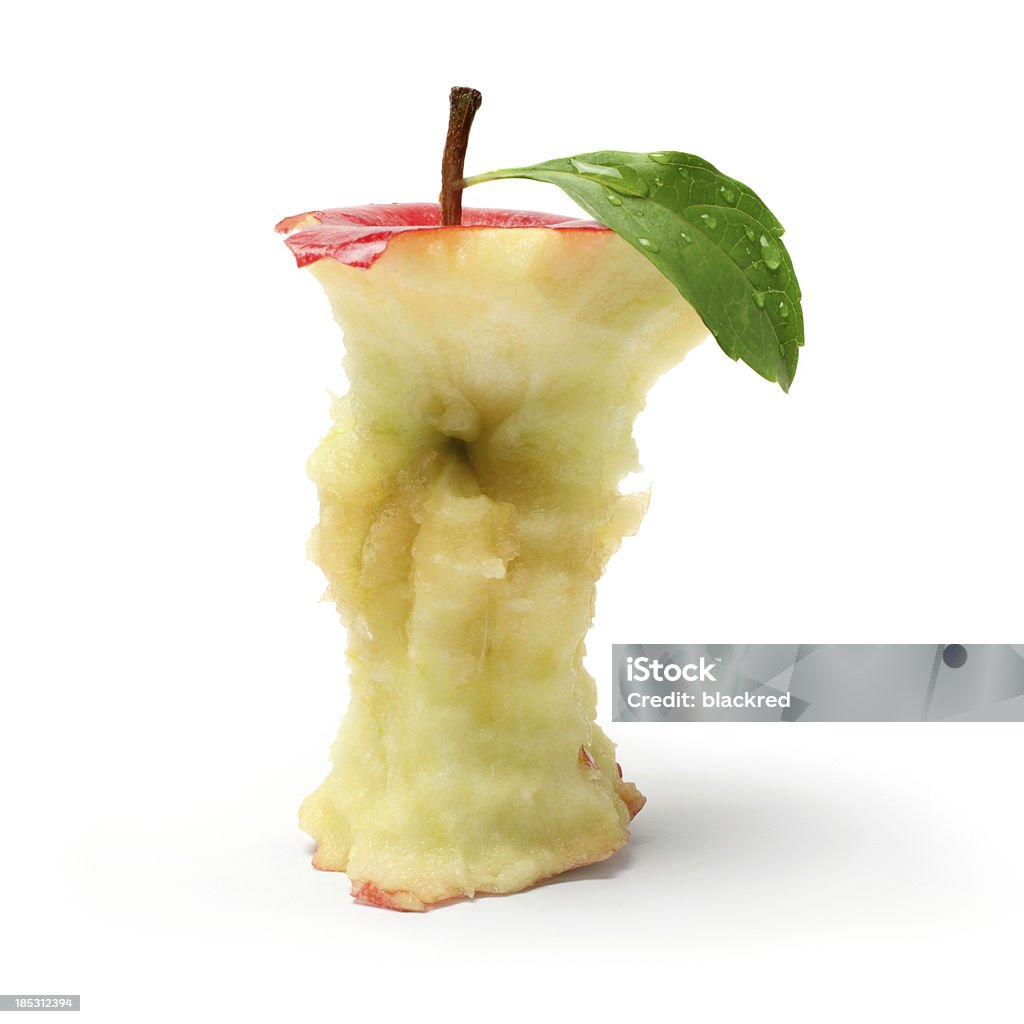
[(709, 234)]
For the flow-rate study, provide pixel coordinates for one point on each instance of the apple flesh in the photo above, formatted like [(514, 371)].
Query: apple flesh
[(469, 495)]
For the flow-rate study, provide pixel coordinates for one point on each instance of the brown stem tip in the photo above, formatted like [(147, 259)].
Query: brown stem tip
[(465, 102)]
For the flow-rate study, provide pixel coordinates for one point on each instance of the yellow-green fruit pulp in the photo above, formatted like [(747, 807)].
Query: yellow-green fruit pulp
[(469, 495)]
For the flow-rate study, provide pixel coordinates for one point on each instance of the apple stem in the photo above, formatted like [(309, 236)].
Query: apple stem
[(465, 102)]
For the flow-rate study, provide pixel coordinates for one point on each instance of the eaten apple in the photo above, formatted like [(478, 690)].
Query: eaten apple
[(469, 494)]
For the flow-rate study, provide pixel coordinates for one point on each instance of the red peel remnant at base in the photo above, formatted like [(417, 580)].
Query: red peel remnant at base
[(629, 794), (631, 797), (357, 235), (371, 896)]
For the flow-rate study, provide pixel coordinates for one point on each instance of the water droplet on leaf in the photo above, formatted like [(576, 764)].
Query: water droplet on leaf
[(648, 244), (709, 221), (621, 179), (728, 195), (759, 300), (614, 200), (771, 254), (685, 237), (749, 232), (594, 170), (783, 309)]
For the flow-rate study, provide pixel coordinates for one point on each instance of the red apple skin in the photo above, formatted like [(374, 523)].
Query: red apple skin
[(372, 896), (358, 235)]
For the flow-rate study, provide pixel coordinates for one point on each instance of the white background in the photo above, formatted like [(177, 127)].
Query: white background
[(171, 686)]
